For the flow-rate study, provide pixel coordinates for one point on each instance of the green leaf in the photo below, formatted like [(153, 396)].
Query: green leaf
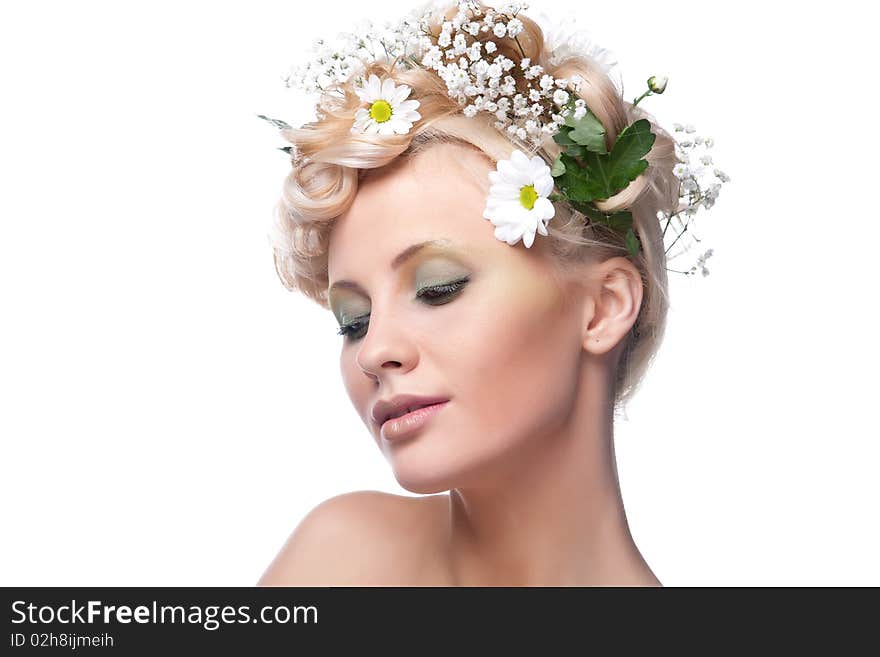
[(558, 168), (632, 243), (574, 181), (620, 220), (588, 210), (278, 123), (587, 131), (562, 137), (616, 220), (608, 174), (575, 150)]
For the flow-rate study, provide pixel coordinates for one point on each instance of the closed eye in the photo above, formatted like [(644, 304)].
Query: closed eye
[(441, 292), (436, 295)]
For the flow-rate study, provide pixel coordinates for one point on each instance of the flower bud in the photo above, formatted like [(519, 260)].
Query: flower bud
[(657, 85)]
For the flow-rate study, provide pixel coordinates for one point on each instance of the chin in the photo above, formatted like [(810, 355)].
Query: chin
[(424, 477), (423, 487), (452, 456), (427, 468)]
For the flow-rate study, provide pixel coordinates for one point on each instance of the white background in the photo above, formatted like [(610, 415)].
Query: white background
[(169, 412)]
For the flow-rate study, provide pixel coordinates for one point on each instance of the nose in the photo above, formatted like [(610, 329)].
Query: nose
[(386, 346)]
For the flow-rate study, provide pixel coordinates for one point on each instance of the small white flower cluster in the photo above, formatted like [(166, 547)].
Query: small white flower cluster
[(701, 263), (476, 74), (696, 187), (336, 64), (481, 79), (691, 174)]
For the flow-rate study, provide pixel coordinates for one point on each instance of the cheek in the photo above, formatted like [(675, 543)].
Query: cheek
[(517, 359), (359, 387)]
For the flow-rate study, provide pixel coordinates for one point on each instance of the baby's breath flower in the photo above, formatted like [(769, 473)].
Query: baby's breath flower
[(560, 97), (701, 263), (459, 43), (506, 62), (514, 27)]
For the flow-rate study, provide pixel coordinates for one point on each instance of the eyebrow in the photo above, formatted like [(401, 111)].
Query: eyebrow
[(396, 262)]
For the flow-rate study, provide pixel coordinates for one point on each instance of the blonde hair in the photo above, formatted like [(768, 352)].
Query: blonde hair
[(329, 162)]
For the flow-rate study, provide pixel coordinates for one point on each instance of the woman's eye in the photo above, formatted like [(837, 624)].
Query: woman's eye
[(350, 331), (436, 295), (440, 294)]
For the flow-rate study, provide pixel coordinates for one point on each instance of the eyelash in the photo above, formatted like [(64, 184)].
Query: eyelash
[(431, 293)]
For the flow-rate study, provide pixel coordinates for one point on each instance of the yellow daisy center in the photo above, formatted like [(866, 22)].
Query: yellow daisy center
[(528, 196), (380, 111)]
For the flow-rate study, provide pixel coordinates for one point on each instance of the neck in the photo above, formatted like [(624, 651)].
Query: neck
[(551, 517)]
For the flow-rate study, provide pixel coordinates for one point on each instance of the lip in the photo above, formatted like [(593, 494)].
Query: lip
[(385, 408), (407, 425)]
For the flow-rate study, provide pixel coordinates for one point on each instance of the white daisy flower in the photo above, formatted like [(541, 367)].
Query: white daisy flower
[(517, 205), (389, 112)]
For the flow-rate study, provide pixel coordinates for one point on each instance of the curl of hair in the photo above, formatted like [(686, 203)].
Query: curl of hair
[(329, 162)]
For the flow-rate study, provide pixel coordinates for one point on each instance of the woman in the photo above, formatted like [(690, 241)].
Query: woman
[(486, 369)]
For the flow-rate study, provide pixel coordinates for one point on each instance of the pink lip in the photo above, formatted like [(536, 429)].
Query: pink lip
[(409, 424)]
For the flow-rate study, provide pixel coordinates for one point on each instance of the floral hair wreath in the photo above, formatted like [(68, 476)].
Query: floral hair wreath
[(481, 79)]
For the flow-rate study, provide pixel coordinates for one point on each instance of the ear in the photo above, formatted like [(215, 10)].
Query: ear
[(616, 297)]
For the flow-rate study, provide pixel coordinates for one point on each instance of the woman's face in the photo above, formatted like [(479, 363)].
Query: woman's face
[(499, 341)]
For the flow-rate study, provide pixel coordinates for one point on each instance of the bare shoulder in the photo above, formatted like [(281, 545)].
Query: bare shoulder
[(361, 538)]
